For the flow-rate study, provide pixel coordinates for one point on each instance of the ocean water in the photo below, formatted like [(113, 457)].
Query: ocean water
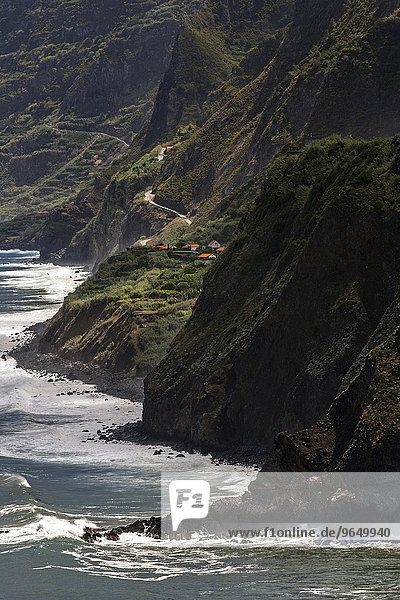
[(54, 481)]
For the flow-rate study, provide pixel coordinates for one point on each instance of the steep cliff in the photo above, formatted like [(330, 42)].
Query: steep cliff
[(124, 215), (243, 85), (289, 310), (333, 56), (361, 429), (228, 108), (208, 49), (218, 42)]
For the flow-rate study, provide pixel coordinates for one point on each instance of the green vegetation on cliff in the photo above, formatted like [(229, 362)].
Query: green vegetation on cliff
[(126, 315), (207, 54), (245, 85), (291, 306), (296, 326), (124, 215)]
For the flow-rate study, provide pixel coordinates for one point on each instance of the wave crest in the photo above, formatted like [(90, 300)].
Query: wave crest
[(11, 480)]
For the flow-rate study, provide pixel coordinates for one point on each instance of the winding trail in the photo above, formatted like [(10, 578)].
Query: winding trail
[(149, 196), (114, 137)]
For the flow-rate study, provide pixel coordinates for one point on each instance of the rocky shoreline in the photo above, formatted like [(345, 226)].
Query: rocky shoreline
[(246, 456), (29, 357)]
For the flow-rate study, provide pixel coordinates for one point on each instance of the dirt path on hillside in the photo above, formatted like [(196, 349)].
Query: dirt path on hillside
[(149, 196), (114, 137)]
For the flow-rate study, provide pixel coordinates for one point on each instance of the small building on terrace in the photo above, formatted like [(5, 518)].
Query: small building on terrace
[(193, 247), (206, 257)]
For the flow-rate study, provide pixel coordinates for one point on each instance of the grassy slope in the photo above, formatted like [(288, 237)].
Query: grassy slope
[(210, 46), (135, 305)]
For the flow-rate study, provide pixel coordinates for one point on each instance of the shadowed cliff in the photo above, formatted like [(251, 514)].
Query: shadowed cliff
[(287, 312)]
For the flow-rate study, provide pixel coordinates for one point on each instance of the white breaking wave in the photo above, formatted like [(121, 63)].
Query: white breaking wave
[(12, 480), (48, 284), (13, 509), (45, 527), (16, 251), (52, 281)]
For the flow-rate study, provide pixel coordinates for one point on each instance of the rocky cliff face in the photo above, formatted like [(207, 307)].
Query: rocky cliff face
[(296, 84), (64, 222), (206, 53), (124, 216), (51, 231), (288, 313), (333, 56), (209, 46), (361, 429)]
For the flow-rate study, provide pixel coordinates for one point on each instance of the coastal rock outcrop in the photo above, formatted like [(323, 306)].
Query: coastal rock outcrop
[(148, 527)]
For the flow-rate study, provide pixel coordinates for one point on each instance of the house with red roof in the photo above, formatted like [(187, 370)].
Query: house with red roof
[(214, 245), (194, 247), (206, 257)]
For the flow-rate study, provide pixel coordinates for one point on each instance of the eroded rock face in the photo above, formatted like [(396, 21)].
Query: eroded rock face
[(119, 223), (361, 429), (286, 313), (147, 527)]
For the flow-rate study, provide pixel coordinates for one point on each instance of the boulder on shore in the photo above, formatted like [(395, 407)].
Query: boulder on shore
[(147, 527)]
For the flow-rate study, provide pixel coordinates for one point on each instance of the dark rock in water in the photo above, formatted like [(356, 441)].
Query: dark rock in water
[(147, 527)]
